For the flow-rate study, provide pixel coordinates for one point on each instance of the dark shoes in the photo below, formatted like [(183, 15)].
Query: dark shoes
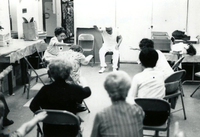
[(7, 122)]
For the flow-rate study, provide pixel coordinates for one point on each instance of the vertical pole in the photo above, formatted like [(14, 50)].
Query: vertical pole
[(186, 29)]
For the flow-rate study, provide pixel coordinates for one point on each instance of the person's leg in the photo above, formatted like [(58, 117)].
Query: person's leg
[(102, 53), (115, 59), (6, 121)]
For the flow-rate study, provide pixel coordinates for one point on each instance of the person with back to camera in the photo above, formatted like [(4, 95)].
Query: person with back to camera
[(60, 95), (24, 128), (110, 43), (162, 64), (150, 82), (76, 57), (6, 121), (121, 119), (56, 44)]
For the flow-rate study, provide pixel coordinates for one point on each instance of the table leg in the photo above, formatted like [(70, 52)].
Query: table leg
[(24, 69), (10, 83)]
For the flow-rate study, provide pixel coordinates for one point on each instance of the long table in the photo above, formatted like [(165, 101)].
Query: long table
[(15, 52), (188, 59)]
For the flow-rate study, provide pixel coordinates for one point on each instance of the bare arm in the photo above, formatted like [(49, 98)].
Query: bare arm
[(86, 60), (62, 44), (28, 126)]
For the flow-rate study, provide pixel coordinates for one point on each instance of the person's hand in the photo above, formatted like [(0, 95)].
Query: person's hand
[(83, 82), (41, 116), (95, 26), (177, 131)]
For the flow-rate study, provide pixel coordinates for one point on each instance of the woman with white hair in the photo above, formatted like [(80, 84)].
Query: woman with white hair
[(120, 119), (59, 95)]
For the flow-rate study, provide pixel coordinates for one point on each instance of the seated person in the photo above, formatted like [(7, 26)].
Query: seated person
[(76, 57), (109, 44), (162, 63), (55, 44), (120, 119), (59, 95), (25, 128), (6, 121), (150, 82)]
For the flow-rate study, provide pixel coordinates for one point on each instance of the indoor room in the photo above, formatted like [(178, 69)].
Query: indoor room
[(51, 49)]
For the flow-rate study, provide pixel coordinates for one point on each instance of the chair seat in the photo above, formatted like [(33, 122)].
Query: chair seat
[(160, 128), (40, 72), (109, 53), (197, 74)]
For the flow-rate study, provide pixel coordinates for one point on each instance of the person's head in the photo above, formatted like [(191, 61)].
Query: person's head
[(77, 48), (109, 30), (146, 43), (148, 57), (60, 33), (117, 84), (60, 69), (2, 109)]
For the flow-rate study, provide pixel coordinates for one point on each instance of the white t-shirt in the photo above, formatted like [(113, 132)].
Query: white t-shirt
[(147, 84), (162, 65), (110, 41)]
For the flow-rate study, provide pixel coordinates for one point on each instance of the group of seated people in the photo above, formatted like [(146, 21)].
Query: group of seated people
[(124, 118)]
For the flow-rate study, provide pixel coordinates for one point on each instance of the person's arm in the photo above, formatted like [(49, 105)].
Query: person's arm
[(28, 126), (96, 126), (118, 41), (62, 44), (98, 28), (86, 60), (133, 91)]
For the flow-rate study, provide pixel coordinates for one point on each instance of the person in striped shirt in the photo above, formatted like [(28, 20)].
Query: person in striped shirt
[(120, 119)]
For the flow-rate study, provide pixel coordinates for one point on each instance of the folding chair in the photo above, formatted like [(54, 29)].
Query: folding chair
[(197, 74), (176, 65), (174, 89), (87, 43), (60, 123), (36, 73), (157, 114), (111, 53)]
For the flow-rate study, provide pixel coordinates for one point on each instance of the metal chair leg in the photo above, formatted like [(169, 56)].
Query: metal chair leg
[(183, 107), (86, 106), (195, 91)]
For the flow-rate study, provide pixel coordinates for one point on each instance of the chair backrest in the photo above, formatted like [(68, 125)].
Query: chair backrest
[(42, 47), (59, 117), (59, 123), (85, 39), (177, 63), (172, 87), (156, 111), (176, 76)]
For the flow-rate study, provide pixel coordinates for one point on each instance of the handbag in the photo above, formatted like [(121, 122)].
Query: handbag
[(30, 30)]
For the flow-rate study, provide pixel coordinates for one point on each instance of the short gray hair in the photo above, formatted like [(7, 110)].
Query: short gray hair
[(117, 84), (60, 69)]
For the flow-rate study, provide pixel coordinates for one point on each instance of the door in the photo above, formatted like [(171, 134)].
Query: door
[(50, 19)]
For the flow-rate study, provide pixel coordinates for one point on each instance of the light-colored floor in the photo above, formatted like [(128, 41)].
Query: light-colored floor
[(99, 100)]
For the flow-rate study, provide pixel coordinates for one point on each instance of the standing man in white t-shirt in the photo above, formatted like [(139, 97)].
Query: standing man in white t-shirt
[(110, 43)]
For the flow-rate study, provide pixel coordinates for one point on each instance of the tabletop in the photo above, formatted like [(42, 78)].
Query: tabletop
[(17, 49)]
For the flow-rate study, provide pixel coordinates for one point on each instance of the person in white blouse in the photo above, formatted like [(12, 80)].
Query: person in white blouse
[(150, 82)]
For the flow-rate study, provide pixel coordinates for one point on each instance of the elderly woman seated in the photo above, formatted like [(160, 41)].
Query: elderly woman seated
[(120, 119), (59, 94)]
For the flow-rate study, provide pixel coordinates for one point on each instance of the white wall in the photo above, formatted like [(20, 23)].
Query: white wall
[(34, 9), (194, 18), (133, 17), (5, 21)]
